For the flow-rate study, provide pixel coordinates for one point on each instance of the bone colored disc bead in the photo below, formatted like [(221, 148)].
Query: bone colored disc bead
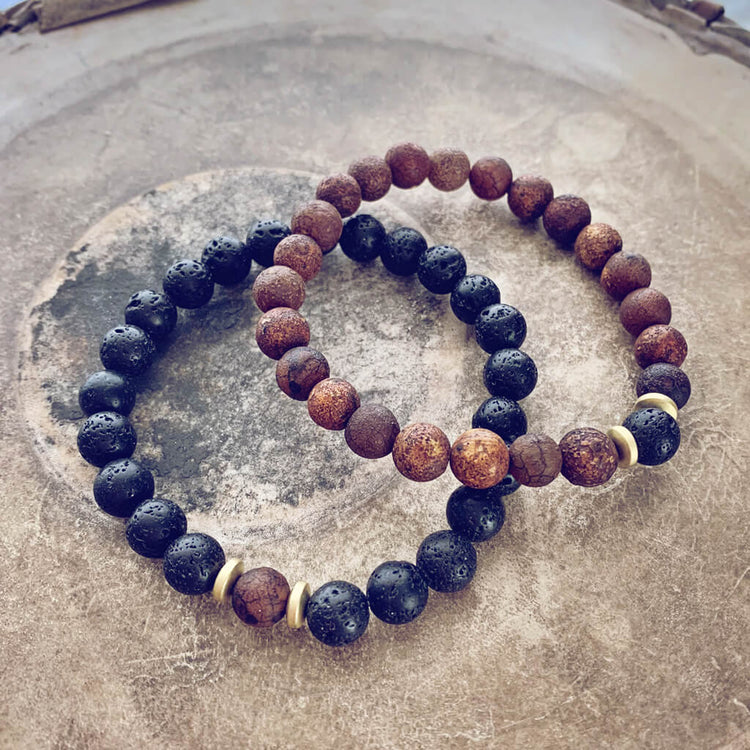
[(590, 457), (260, 596), (490, 178), (278, 286), (528, 196), (279, 330), (319, 220), (660, 344), (623, 273), (596, 244), (342, 192), (409, 165), (332, 402), (627, 448), (535, 460), (643, 308), (421, 452), (449, 169), (295, 606), (479, 459), (657, 401), (225, 580), (300, 253), (373, 175)]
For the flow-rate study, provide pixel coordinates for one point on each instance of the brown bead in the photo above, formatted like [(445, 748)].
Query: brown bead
[(319, 220), (342, 192), (479, 459), (535, 460), (300, 253), (565, 217), (589, 457), (643, 308), (371, 431), (449, 169), (660, 344), (373, 175), (279, 330), (332, 402), (259, 597), (623, 273), (299, 370), (490, 178), (528, 196), (596, 244), (421, 452), (278, 286), (409, 165)]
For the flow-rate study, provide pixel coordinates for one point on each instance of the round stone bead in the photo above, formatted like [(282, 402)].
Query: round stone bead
[(511, 373), (127, 349), (401, 251), (332, 402), (660, 344), (259, 597), (262, 238), (299, 370), (121, 486), (300, 253), (421, 452), (278, 286), (152, 312), (479, 458), (589, 457), (447, 561), (667, 379), (528, 196), (475, 514), (490, 178), (192, 562), (449, 169), (596, 244), (337, 613), (656, 434), (154, 525), (342, 192), (279, 330), (319, 220), (440, 268), (227, 259), (535, 460), (371, 431), (643, 308), (565, 217), (188, 284), (373, 175), (106, 436), (397, 592), (107, 391), (363, 238), (623, 273), (471, 295), (409, 165), (500, 326), (503, 416)]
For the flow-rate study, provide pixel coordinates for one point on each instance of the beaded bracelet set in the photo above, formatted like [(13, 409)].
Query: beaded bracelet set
[(491, 460)]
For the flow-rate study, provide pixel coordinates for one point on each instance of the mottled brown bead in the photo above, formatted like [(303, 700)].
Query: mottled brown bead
[(421, 452), (490, 178), (342, 192), (300, 253), (596, 244), (279, 330), (565, 217), (299, 370), (449, 169), (535, 460), (371, 431), (623, 273), (278, 286), (643, 308), (589, 457), (528, 196), (319, 220), (409, 165), (479, 459), (660, 344), (332, 402), (259, 597), (373, 175)]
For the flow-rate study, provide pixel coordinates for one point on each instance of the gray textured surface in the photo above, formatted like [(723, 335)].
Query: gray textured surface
[(615, 616)]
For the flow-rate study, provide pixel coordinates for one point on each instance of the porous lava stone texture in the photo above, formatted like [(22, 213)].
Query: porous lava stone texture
[(656, 434), (106, 436), (667, 379), (299, 370), (363, 238), (152, 312), (121, 486), (508, 486), (188, 284), (371, 431), (127, 349), (332, 402), (300, 253), (500, 326), (475, 514), (319, 220), (490, 178), (401, 251), (279, 330), (259, 597), (409, 164), (596, 244), (479, 458), (643, 308), (278, 286), (397, 592), (471, 295), (511, 373), (262, 238), (342, 192), (528, 196), (447, 561), (660, 343), (154, 525), (440, 268), (623, 273), (373, 175), (337, 613), (503, 416), (535, 459), (565, 217), (192, 562), (227, 259), (449, 169), (107, 391), (589, 457), (421, 452)]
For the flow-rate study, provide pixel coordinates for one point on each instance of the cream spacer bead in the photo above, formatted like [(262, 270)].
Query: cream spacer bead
[(295, 605), (627, 450), (657, 401), (228, 575)]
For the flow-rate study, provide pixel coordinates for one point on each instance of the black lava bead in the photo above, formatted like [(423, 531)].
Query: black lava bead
[(507, 485), (192, 562), (107, 391), (105, 436), (440, 268), (188, 284), (476, 514), (447, 561), (121, 486), (500, 326), (154, 525), (503, 416), (471, 295), (337, 613), (667, 379), (152, 311), (227, 260), (401, 251), (127, 349), (363, 238), (262, 239), (511, 373), (397, 592), (656, 435)]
